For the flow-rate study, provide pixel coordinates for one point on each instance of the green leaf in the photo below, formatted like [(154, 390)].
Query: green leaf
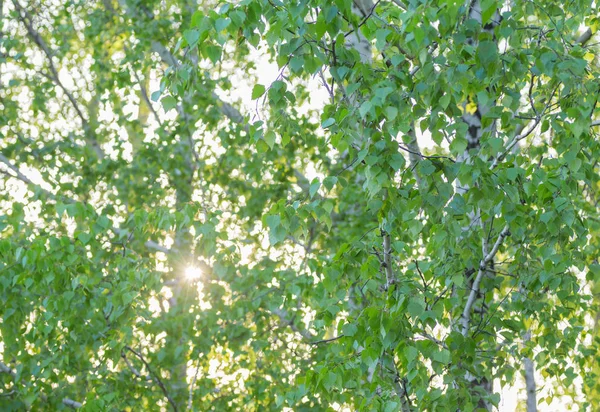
[(327, 123), (191, 36), (296, 64), (445, 100), (330, 381), (411, 353), (391, 406), (349, 329), (390, 113), (458, 146), (314, 187), (262, 146), (276, 232), (415, 307), (257, 91), (487, 52), (426, 167), (488, 9), (329, 182), (270, 138), (397, 161), (84, 237), (443, 356), (381, 36), (156, 95), (222, 24), (365, 108), (213, 53), (168, 103)]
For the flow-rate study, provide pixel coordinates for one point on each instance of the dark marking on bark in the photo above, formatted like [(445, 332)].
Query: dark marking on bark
[(473, 141)]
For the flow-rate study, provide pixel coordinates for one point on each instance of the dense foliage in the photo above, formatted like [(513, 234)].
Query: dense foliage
[(420, 237)]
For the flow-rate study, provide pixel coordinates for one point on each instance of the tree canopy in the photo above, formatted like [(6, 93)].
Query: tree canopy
[(404, 217)]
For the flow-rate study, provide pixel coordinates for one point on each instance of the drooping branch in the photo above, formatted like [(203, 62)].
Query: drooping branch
[(35, 36), (25, 18), (18, 173), (400, 389), (227, 109), (4, 368), (167, 57), (20, 176), (156, 378), (133, 369)]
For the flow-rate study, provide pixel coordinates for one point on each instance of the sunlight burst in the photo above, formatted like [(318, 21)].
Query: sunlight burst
[(193, 272)]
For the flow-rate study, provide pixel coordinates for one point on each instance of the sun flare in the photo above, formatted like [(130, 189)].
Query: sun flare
[(193, 272)]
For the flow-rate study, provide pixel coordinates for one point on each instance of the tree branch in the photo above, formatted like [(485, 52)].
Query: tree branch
[(522, 135), (399, 4), (191, 392), (146, 98), (466, 315), (133, 369), (414, 154), (284, 316), (387, 260), (35, 36), (228, 110), (326, 340), (20, 176), (585, 37), (157, 379), (530, 386), (72, 404), (4, 368)]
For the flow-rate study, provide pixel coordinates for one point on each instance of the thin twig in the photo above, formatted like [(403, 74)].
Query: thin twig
[(425, 156), (399, 4), (133, 369), (146, 98), (158, 381), (190, 398), (283, 315), (532, 126), (326, 340), (365, 18)]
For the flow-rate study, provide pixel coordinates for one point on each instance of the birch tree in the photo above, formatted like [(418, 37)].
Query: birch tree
[(179, 232)]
